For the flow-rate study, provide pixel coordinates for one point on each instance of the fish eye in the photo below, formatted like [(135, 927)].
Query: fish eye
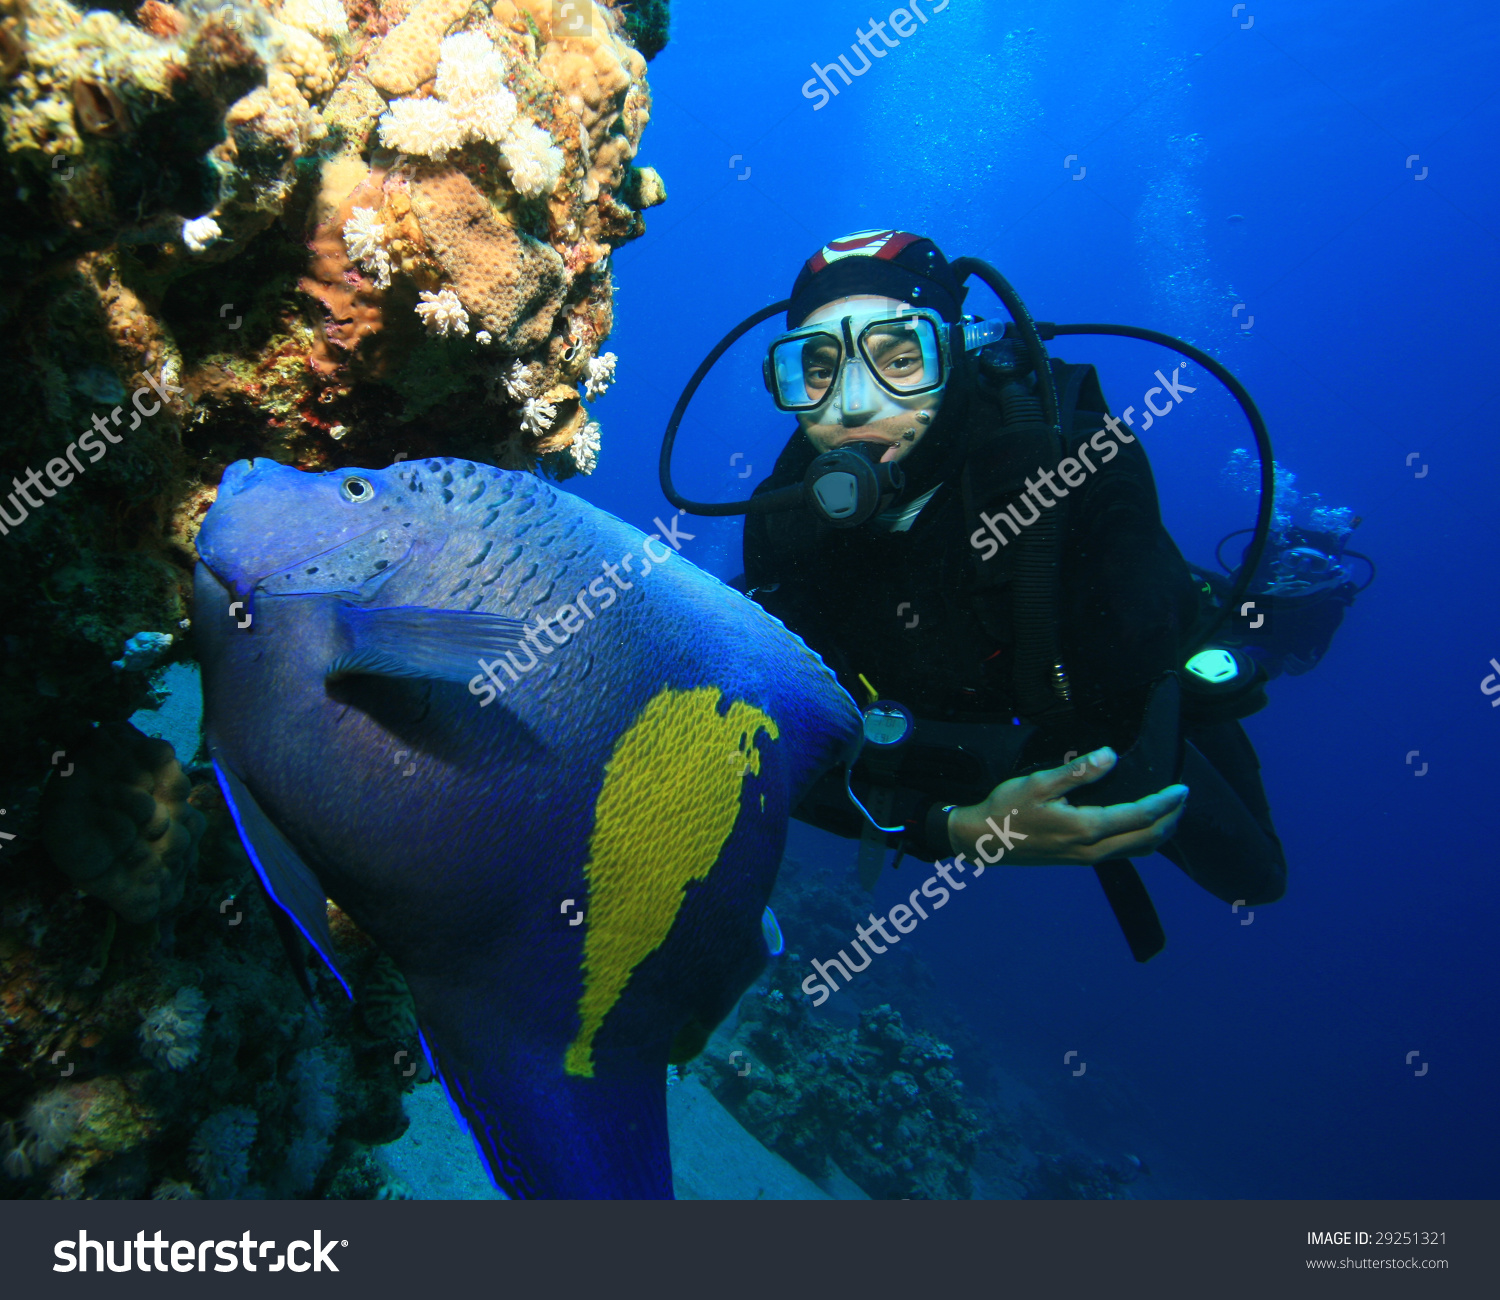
[(357, 490)]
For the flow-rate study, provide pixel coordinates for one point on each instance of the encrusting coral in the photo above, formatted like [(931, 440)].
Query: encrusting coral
[(120, 825)]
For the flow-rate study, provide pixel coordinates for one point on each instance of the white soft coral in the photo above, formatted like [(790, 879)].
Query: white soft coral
[(490, 118), (585, 448), (364, 237), (170, 1032), (324, 18), (521, 382), (442, 312), (469, 66), (471, 80), (200, 233), (600, 375), (537, 416), (535, 162), (421, 126), (471, 103)]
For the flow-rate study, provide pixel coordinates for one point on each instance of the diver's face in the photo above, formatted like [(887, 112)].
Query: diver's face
[(857, 409)]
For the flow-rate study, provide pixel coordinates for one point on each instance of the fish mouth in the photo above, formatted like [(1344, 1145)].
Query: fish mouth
[(223, 582), (207, 574), (270, 520)]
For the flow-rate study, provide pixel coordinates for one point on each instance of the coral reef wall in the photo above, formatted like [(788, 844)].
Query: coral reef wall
[(329, 232)]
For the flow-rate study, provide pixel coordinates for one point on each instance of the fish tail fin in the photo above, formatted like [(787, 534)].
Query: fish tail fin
[(546, 1137)]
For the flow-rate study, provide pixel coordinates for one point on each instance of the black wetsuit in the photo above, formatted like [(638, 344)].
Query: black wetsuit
[(917, 614)]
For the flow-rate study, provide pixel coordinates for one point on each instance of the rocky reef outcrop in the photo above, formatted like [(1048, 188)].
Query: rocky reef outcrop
[(886, 1084), (343, 231), (120, 825), (881, 1101), (857, 1086), (178, 1057)]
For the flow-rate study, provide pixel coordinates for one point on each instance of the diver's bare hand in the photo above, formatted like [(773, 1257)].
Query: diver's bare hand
[(1029, 819)]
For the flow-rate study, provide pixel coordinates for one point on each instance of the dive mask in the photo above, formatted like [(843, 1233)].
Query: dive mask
[(905, 354), (1304, 570)]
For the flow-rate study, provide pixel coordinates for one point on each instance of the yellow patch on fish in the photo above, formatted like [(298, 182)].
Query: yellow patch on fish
[(670, 798)]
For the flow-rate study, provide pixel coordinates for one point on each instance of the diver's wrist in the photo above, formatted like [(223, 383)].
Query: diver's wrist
[(965, 825), (935, 838)]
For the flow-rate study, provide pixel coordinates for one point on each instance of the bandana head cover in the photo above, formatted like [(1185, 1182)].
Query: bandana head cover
[(886, 263)]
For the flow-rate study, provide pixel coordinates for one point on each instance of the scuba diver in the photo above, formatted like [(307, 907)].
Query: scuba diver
[(972, 542)]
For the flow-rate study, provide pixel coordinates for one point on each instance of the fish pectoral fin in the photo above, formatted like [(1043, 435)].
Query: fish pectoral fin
[(370, 663), (414, 641), (289, 881)]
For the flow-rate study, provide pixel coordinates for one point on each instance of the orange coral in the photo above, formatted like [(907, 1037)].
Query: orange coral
[(161, 19), (351, 302), (408, 57), (513, 283)]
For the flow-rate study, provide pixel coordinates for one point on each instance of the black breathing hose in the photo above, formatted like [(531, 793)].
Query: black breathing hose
[(1257, 425), (1219, 549), (767, 500), (1025, 328)]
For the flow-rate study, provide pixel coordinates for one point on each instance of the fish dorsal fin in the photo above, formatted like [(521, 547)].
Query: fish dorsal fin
[(288, 880), (414, 641)]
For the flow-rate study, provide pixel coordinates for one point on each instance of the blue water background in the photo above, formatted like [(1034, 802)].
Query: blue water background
[(1260, 1059)]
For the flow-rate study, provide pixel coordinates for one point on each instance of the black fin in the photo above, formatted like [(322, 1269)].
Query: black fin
[(1151, 764), (872, 851), (288, 880), (1132, 906), (291, 942)]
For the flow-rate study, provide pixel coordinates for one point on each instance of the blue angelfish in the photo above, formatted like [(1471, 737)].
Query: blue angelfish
[(541, 759)]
